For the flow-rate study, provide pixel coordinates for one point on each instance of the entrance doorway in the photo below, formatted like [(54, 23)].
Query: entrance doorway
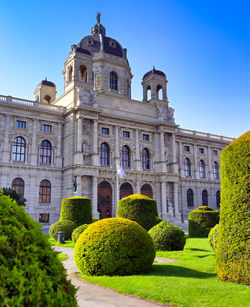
[(146, 190), (125, 190), (104, 206)]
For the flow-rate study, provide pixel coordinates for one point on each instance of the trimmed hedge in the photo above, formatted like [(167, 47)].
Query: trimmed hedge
[(167, 237), (76, 209), (66, 226), (233, 253), (201, 221), (76, 233), (30, 273), (114, 246), (139, 208), (213, 237)]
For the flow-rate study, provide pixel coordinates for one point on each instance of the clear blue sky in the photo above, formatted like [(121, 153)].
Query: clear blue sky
[(202, 46)]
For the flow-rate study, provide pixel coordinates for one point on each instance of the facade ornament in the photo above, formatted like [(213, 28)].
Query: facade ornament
[(89, 98), (107, 70), (165, 113), (97, 69)]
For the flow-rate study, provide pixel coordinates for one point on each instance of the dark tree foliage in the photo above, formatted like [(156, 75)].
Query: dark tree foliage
[(15, 196)]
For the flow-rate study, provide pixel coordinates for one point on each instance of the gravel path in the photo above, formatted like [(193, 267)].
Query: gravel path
[(90, 295)]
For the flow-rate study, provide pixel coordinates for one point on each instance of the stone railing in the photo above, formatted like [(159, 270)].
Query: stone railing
[(205, 135), (31, 104)]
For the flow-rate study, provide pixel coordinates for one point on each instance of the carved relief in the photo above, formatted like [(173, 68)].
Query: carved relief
[(87, 98)]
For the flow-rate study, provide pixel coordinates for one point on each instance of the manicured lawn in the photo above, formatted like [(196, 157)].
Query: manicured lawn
[(62, 256), (53, 242), (189, 282)]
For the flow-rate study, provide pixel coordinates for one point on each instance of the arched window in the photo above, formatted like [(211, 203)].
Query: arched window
[(145, 158), (125, 157), (204, 198), (104, 154), (70, 74), (216, 170), (148, 93), (45, 152), (218, 199), (47, 98), (190, 198), (19, 149), (45, 191), (202, 169), (104, 199), (187, 167), (18, 186), (159, 92), (125, 190), (83, 73), (113, 81), (147, 190)]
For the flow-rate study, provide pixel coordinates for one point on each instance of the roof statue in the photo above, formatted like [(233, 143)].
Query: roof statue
[(98, 17)]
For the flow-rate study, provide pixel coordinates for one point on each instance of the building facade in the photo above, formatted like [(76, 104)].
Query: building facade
[(50, 143)]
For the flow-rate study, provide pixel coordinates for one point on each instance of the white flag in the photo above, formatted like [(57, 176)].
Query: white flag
[(120, 171)]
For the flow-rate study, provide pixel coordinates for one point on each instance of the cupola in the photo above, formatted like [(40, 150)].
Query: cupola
[(45, 92)]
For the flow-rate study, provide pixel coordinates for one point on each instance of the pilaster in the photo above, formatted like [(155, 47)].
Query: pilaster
[(6, 149)]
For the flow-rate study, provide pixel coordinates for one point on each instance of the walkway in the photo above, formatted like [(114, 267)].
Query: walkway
[(90, 295)]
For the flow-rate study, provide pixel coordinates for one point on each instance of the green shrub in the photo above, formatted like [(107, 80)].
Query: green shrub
[(76, 233), (233, 252), (213, 237), (167, 237), (30, 273), (66, 226), (114, 246), (139, 208), (201, 220), (76, 209)]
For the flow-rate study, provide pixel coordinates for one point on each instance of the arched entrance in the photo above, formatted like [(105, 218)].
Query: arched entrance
[(104, 206), (125, 190), (147, 190)]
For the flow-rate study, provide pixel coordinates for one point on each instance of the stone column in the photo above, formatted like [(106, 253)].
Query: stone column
[(196, 167), (176, 205), (210, 170), (79, 185), (180, 159), (174, 162), (162, 158), (137, 188), (117, 152), (94, 198), (94, 158), (79, 135), (59, 146), (6, 149), (137, 151), (163, 198)]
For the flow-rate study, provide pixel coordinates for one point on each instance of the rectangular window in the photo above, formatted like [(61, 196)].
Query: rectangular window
[(20, 124), (44, 218), (105, 131), (145, 137), (126, 134), (201, 150), (215, 152), (186, 148), (47, 128)]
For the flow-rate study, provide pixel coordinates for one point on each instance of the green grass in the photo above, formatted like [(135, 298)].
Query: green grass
[(62, 256), (190, 282), (53, 242)]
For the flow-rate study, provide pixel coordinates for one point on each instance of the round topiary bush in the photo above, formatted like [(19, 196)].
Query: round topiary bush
[(114, 246), (76, 209), (213, 237), (66, 226), (77, 231), (139, 208), (167, 237), (30, 273), (232, 254), (201, 220)]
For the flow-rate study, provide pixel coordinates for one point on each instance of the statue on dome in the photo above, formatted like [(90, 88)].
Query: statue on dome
[(98, 17)]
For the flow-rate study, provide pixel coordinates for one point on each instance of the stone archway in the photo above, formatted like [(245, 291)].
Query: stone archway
[(104, 206), (125, 190), (146, 190)]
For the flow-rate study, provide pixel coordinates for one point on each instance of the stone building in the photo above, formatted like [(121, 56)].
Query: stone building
[(82, 136)]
